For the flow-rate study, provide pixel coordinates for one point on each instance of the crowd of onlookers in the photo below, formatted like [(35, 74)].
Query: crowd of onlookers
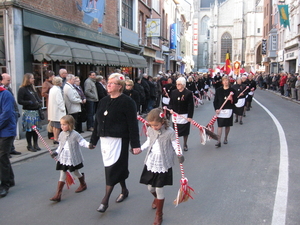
[(288, 84)]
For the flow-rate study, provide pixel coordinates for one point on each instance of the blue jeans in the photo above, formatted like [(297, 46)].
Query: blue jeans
[(90, 112)]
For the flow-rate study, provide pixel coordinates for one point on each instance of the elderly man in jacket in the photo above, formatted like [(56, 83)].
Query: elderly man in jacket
[(6, 80), (90, 91), (72, 99), (8, 127)]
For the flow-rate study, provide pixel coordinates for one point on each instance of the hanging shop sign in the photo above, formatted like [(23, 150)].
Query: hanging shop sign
[(153, 28)]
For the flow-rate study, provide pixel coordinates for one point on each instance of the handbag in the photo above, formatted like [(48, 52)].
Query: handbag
[(41, 114)]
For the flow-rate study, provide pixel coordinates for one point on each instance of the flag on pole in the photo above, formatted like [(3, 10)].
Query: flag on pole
[(252, 70), (284, 15), (227, 63), (242, 70)]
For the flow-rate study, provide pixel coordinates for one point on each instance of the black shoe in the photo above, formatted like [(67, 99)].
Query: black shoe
[(241, 122), (218, 145), (31, 149), (102, 208), (185, 148), (3, 192), (225, 142), (36, 147), (122, 197), (55, 142), (12, 183), (15, 153), (236, 121), (9, 156)]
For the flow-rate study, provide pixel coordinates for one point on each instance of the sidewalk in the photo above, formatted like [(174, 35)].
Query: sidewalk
[(284, 97), (21, 146)]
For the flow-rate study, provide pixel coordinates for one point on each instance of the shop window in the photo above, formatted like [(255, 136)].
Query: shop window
[(38, 73)]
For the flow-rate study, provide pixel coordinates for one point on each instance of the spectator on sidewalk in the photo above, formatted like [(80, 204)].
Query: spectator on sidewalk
[(8, 128), (297, 86), (63, 74), (82, 114), (140, 89), (90, 91), (152, 93), (282, 83), (101, 90), (6, 80), (56, 108), (129, 91), (145, 84), (48, 75), (72, 99), (31, 102)]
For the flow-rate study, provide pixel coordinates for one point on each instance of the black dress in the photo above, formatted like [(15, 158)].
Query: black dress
[(117, 118), (239, 110), (182, 103), (220, 96)]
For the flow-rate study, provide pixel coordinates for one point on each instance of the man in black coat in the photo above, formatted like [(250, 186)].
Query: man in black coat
[(146, 87), (100, 88)]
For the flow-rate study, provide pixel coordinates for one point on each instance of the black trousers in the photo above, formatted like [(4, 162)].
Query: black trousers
[(6, 172)]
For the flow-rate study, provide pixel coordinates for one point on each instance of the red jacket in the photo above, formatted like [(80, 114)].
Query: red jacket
[(282, 80)]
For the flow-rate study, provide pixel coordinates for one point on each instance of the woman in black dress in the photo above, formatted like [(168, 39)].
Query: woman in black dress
[(116, 124), (182, 102), (241, 96), (225, 116)]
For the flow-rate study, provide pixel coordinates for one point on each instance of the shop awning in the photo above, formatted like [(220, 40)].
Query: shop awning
[(48, 48), (123, 58), (80, 52), (112, 57), (2, 51), (99, 57), (137, 61)]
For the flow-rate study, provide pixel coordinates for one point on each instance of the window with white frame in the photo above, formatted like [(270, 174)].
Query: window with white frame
[(156, 5), (127, 14)]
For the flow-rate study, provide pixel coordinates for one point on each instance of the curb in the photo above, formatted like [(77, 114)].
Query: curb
[(283, 97)]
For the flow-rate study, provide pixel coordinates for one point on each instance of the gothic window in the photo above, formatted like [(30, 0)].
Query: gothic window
[(204, 25), (226, 46), (127, 14)]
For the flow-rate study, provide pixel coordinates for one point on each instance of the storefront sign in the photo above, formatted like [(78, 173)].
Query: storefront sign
[(47, 24), (173, 36), (291, 55), (149, 52), (153, 28)]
